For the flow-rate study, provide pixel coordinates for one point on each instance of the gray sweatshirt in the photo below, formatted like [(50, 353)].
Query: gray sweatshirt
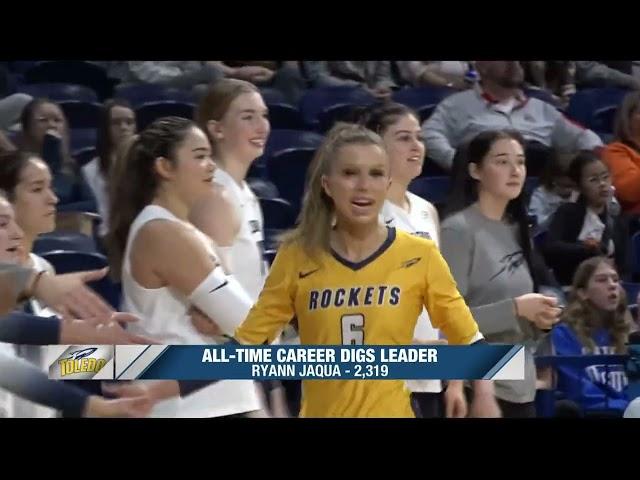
[(490, 269), (463, 115)]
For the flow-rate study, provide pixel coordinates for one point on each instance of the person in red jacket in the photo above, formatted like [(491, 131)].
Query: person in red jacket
[(623, 155)]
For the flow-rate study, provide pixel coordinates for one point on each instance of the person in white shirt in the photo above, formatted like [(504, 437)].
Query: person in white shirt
[(169, 266), (117, 125), (399, 128), (235, 118)]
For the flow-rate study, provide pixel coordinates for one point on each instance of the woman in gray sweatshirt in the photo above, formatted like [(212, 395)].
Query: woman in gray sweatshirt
[(486, 243)]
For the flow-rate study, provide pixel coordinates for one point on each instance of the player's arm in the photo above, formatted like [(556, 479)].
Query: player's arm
[(275, 306), (179, 259), (447, 309)]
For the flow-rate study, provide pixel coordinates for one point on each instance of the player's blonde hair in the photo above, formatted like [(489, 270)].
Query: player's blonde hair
[(316, 218)]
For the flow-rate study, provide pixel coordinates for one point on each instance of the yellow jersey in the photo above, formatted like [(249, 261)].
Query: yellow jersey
[(373, 302)]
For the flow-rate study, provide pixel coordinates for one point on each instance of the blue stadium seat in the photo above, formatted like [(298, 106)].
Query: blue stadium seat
[(271, 238), (284, 116), (272, 95), (433, 189), (81, 114), (335, 113), (632, 290), (74, 241), (262, 187), (151, 111), (22, 67), (277, 213), (584, 103), (74, 261), (84, 155), (82, 138), (269, 256), (281, 139), (288, 169), (315, 100), (139, 94), (603, 118), (78, 72), (423, 100), (59, 92)]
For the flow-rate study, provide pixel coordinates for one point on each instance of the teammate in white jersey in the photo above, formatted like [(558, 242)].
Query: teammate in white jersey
[(168, 265), (399, 128), (235, 118)]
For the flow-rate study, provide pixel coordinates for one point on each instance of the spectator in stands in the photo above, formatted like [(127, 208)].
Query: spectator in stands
[(556, 188), (498, 102), (286, 77), (45, 133), (117, 124), (623, 155), (191, 76), (588, 227), (452, 74), (557, 77), (11, 104), (595, 322), (606, 74), (375, 77), (487, 245)]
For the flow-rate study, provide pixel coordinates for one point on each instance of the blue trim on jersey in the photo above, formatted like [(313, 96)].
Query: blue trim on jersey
[(391, 236)]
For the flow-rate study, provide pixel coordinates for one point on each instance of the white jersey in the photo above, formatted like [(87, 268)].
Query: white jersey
[(164, 316), (419, 220), (98, 184), (247, 261)]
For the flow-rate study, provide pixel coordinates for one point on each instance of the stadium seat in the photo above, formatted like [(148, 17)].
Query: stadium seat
[(284, 116), (151, 111), (139, 94), (81, 114), (281, 139), (603, 119), (82, 137), (84, 155), (262, 187), (74, 241), (77, 72), (272, 95), (335, 113), (422, 99), (433, 189), (288, 169), (584, 103), (315, 100), (59, 92), (271, 238), (632, 290), (75, 261), (269, 256), (539, 238), (277, 213)]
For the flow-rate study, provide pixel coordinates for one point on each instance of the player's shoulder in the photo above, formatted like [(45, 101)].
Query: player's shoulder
[(408, 241)]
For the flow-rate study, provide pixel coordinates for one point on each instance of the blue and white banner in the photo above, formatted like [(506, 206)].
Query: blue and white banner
[(232, 361), (285, 362)]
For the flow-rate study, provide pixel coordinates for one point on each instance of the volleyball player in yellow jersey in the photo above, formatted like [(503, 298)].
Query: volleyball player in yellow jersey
[(350, 280)]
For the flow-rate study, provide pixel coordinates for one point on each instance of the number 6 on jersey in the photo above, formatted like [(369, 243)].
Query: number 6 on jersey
[(352, 329)]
